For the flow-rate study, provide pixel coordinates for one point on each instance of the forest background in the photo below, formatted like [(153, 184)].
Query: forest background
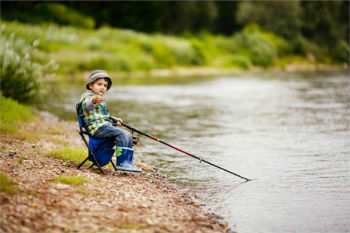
[(40, 40)]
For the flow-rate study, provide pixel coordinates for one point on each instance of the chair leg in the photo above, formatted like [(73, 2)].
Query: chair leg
[(115, 168), (83, 162), (101, 169), (92, 156), (96, 163)]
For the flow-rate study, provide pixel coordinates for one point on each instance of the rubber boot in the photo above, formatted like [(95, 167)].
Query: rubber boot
[(124, 160)]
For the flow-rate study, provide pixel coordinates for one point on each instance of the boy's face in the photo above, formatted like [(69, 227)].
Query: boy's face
[(99, 87)]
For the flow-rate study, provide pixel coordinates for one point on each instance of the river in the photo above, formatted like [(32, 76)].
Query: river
[(288, 132)]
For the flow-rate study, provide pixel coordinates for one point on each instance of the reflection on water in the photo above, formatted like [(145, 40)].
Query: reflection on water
[(288, 131)]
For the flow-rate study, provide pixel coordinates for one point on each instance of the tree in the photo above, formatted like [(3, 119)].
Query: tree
[(280, 17), (226, 20), (185, 16), (326, 22)]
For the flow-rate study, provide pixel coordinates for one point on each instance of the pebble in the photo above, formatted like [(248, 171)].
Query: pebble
[(144, 201)]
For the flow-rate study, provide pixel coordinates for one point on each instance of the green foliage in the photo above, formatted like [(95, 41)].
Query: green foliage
[(93, 43), (12, 114), (119, 50), (251, 42), (237, 60), (66, 16), (39, 12), (341, 51), (21, 75), (200, 55), (321, 22), (279, 17), (303, 46), (71, 180), (325, 23), (282, 46), (320, 28), (7, 185)]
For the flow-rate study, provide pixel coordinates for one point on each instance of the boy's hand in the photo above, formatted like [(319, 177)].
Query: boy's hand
[(117, 120), (97, 99)]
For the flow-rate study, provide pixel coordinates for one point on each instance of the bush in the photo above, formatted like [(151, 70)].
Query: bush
[(122, 62), (237, 60), (250, 41), (93, 43), (340, 52), (162, 55), (199, 56), (21, 76), (95, 61), (144, 62), (303, 47), (282, 46)]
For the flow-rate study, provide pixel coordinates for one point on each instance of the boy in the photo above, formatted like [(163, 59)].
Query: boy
[(98, 121)]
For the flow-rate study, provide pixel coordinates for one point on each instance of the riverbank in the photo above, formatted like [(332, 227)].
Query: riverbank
[(181, 75), (48, 194)]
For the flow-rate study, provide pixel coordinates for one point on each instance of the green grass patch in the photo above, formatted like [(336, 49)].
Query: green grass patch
[(12, 114), (60, 141), (69, 154), (3, 148), (71, 180), (21, 159), (73, 154), (130, 226), (54, 131), (7, 185), (81, 191)]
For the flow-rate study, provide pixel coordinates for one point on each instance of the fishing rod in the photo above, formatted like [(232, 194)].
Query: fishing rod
[(176, 148)]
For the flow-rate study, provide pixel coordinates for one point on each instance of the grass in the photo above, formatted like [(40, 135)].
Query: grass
[(69, 154), (55, 130), (7, 185), (71, 180), (73, 154), (21, 159), (59, 141), (12, 114), (130, 226), (81, 191)]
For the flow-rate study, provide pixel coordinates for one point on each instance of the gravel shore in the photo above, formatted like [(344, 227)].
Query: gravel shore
[(111, 202)]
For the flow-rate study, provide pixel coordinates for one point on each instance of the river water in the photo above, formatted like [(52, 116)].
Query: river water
[(289, 132)]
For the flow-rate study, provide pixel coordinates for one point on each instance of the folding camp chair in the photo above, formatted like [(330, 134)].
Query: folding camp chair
[(100, 151)]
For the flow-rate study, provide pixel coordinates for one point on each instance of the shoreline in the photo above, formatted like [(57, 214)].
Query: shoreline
[(183, 74), (114, 202)]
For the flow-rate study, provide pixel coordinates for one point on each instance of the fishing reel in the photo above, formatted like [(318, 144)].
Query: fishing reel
[(135, 140)]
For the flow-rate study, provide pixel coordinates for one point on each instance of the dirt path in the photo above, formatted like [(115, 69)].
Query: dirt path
[(114, 202)]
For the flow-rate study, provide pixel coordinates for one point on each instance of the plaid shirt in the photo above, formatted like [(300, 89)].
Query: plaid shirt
[(94, 115)]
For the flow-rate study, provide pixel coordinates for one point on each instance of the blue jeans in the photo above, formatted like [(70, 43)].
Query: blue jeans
[(123, 137)]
